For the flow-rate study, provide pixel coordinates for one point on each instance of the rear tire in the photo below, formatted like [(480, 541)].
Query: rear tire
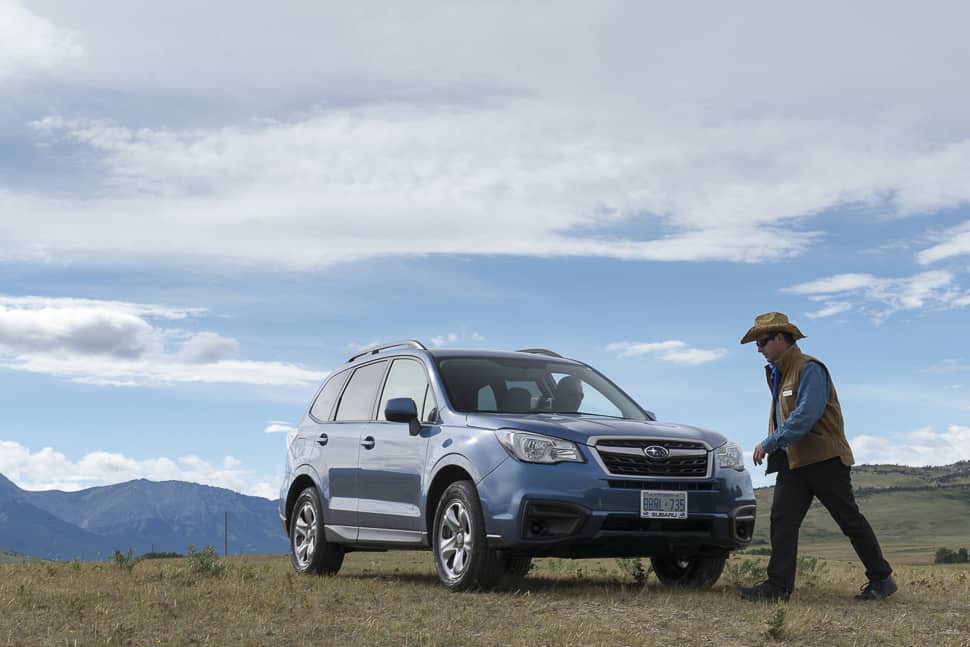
[(697, 572), (462, 557), (310, 552)]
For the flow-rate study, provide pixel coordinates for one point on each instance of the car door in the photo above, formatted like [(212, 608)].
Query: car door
[(336, 448), (393, 464)]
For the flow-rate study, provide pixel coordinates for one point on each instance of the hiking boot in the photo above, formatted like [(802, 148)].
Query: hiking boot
[(877, 589), (766, 591)]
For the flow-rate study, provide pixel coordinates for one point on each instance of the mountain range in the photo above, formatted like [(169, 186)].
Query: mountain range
[(140, 515)]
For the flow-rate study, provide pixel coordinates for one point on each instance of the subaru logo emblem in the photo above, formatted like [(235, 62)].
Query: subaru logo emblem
[(656, 452)]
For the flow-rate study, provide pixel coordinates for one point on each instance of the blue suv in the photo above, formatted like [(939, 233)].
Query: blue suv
[(492, 458)]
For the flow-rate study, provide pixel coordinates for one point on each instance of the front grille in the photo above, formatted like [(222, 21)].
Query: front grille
[(620, 458), (639, 443)]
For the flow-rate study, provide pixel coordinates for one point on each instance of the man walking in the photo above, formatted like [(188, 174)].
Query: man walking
[(806, 446)]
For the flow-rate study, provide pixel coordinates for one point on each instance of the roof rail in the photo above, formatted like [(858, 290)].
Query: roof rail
[(374, 350), (540, 351)]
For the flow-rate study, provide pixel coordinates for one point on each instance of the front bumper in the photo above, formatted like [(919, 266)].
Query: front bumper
[(577, 510)]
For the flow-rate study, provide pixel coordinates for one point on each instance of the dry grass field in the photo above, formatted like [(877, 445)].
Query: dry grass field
[(394, 599)]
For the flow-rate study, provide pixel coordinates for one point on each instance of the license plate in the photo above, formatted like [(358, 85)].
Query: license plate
[(659, 504)]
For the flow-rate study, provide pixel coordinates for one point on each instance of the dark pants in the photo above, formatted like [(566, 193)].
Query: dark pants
[(794, 491)]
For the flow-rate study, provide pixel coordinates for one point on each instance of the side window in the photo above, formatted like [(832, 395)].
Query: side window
[(323, 405), (406, 379), (357, 402), (486, 399)]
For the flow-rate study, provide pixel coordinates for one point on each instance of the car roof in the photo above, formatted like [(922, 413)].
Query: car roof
[(441, 353), (413, 347)]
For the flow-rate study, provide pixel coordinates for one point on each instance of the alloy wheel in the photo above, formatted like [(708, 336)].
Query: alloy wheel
[(305, 535), (455, 540)]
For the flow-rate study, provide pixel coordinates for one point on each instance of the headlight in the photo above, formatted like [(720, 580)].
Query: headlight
[(729, 456), (536, 448)]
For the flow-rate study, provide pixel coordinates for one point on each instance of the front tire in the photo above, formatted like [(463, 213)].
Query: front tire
[(462, 557), (310, 552), (697, 572)]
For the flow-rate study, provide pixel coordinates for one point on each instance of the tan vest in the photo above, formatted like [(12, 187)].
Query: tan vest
[(827, 438)]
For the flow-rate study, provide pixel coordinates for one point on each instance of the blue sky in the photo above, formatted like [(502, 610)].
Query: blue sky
[(205, 210)]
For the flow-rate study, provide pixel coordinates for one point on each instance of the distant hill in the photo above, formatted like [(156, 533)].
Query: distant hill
[(138, 515), (914, 511)]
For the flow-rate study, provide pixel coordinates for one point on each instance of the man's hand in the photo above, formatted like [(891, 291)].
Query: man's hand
[(759, 454)]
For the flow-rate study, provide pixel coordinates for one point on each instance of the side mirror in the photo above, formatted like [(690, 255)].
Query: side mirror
[(403, 410)]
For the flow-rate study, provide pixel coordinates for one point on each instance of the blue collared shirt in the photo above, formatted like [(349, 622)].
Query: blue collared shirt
[(813, 394)]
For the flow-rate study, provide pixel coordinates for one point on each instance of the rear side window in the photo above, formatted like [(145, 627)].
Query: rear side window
[(323, 405), (407, 379), (357, 402)]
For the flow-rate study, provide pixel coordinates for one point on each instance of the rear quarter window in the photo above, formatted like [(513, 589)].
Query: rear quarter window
[(323, 406)]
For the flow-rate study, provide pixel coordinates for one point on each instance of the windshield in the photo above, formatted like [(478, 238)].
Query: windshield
[(491, 385)]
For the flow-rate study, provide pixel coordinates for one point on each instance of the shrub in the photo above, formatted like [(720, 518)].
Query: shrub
[(205, 562), (747, 571), (633, 567), (157, 555), (810, 570), (947, 556), (776, 623), (125, 561)]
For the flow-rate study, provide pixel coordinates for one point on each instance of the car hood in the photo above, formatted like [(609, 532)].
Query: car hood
[(584, 428)]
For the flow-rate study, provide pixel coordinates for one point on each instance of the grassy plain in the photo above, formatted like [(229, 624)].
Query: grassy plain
[(395, 599), (914, 511)]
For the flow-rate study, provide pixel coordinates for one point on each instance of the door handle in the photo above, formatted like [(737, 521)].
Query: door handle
[(367, 443), (323, 439)]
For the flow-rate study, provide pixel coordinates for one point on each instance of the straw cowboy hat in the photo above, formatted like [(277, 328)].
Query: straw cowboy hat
[(768, 323)]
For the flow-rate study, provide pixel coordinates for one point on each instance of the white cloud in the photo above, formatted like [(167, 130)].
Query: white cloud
[(490, 128), (674, 351), (208, 348), (163, 370), (838, 283), (48, 469), (924, 446), (881, 297), (279, 427), (110, 342), (947, 366), (908, 391), (954, 242), (831, 309), (343, 185), (454, 338), (137, 309), (30, 43)]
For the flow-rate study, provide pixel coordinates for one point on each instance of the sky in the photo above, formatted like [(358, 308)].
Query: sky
[(204, 209)]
